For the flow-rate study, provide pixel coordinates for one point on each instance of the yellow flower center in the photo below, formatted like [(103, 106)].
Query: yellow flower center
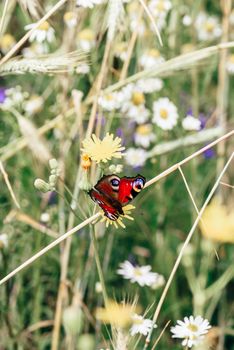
[(137, 272), (138, 98), (209, 27), (137, 321), (109, 97), (160, 6), (154, 53), (120, 47), (7, 40), (68, 16), (44, 26), (163, 113), (144, 129), (86, 34), (193, 327)]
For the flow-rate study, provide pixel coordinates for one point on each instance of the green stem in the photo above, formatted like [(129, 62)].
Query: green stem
[(220, 283), (98, 263)]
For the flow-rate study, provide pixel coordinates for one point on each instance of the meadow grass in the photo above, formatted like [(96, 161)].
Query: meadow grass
[(56, 92)]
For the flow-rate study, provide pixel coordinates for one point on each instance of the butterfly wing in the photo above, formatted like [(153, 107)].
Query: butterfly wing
[(105, 194), (129, 187), (110, 211)]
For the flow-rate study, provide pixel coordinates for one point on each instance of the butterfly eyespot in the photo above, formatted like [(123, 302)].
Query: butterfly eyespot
[(138, 184), (115, 182)]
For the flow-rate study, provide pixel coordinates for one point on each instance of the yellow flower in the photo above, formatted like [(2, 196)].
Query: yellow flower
[(119, 222), (103, 150), (119, 315), (218, 223)]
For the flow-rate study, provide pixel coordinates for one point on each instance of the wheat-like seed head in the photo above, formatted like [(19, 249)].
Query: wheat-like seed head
[(47, 64)]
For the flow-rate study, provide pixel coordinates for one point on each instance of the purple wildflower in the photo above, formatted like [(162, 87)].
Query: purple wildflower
[(209, 153), (2, 94)]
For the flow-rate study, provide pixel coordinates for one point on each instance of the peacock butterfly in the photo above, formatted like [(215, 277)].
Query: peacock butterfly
[(112, 193)]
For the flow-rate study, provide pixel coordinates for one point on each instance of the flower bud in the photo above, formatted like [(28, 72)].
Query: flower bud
[(84, 184), (85, 162), (52, 180), (116, 169), (53, 163), (73, 320), (86, 341), (42, 186)]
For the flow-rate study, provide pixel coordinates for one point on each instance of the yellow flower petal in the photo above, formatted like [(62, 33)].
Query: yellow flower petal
[(119, 315), (119, 222), (217, 223)]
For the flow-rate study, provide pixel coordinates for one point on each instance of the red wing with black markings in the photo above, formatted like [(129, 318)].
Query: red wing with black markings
[(112, 193)]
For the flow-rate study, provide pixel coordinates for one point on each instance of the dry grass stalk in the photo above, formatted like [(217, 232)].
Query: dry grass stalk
[(32, 7), (154, 25), (115, 13), (28, 220), (131, 46), (48, 64), (3, 16), (222, 90), (37, 146), (167, 68), (190, 140), (6, 179)]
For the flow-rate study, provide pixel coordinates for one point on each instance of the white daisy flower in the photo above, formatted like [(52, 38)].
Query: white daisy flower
[(132, 100), (86, 39), (135, 24), (138, 274), (15, 97), (149, 85), (70, 19), (109, 102), (150, 59), (139, 114), (165, 113), (160, 6), (4, 240), (83, 68), (43, 33), (140, 325), (191, 124), (208, 27), (135, 157), (88, 3), (34, 105), (144, 135), (230, 64), (160, 9), (192, 330)]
